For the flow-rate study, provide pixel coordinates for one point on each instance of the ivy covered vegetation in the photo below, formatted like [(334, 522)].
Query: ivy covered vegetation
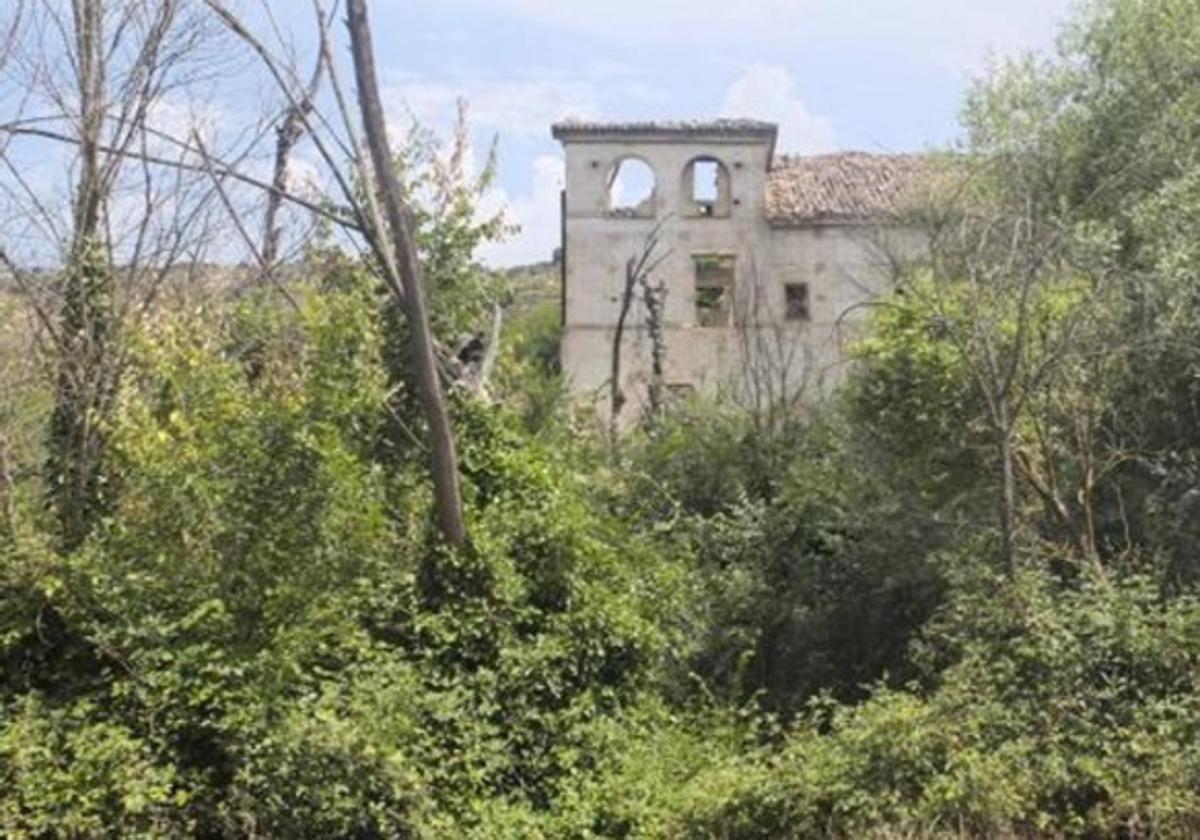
[(958, 599)]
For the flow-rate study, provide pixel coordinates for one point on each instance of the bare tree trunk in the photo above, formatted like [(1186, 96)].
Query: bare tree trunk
[(654, 297), (491, 353), (637, 273), (100, 65), (1008, 501), (76, 443), (89, 16), (290, 131), (6, 489), (616, 399), (447, 494)]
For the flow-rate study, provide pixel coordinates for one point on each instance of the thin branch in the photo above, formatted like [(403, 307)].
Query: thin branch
[(223, 169), (264, 267)]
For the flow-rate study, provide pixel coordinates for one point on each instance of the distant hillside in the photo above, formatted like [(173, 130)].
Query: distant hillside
[(534, 284)]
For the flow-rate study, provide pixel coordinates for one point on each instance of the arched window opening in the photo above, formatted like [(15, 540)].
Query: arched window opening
[(631, 189), (706, 184)]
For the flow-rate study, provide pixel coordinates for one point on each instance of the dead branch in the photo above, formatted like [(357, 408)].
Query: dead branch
[(290, 131), (637, 269)]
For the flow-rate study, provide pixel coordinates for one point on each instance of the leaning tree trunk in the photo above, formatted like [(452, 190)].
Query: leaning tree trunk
[(447, 495)]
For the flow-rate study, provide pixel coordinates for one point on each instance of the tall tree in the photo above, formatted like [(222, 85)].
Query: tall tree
[(95, 70), (448, 494), (377, 211)]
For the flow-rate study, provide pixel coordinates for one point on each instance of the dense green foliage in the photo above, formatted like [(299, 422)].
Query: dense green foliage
[(837, 624)]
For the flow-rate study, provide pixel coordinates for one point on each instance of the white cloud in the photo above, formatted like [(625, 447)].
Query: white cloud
[(761, 91), (514, 108), (633, 184), (767, 92), (537, 213), (305, 177), (174, 119), (991, 30)]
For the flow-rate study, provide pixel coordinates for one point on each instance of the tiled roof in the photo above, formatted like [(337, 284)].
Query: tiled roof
[(574, 128), (839, 187)]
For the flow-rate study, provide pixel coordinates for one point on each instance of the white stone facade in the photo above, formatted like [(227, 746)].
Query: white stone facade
[(827, 260)]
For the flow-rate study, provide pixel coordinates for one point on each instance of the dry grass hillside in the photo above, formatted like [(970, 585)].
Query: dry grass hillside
[(24, 395)]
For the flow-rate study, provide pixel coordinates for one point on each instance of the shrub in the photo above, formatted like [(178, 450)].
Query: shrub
[(1071, 714)]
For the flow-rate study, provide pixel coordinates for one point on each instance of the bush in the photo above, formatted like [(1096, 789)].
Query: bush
[(1067, 713), (264, 639), (813, 565)]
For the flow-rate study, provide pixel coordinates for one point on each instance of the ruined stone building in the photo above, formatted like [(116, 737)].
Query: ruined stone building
[(763, 262)]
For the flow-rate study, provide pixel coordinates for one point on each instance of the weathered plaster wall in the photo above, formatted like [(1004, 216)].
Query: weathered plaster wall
[(843, 266)]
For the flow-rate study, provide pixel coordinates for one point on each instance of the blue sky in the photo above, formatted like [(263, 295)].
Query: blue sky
[(877, 75)]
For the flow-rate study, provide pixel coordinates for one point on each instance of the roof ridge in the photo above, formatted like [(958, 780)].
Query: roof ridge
[(801, 157), (720, 125)]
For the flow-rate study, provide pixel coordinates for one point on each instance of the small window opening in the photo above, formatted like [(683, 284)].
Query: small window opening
[(680, 392), (631, 189), (707, 185), (714, 290), (795, 298)]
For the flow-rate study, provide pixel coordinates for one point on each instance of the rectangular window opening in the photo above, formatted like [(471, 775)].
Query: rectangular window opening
[(714, 289), (680, 392), (795, 298)]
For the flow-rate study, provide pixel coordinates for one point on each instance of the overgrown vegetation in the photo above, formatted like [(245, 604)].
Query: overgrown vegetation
[(959, 600)]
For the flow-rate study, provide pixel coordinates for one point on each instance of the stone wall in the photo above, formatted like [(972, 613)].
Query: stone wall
[(841, 266)]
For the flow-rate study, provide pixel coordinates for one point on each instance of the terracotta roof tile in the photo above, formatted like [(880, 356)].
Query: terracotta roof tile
[(839, 187)]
